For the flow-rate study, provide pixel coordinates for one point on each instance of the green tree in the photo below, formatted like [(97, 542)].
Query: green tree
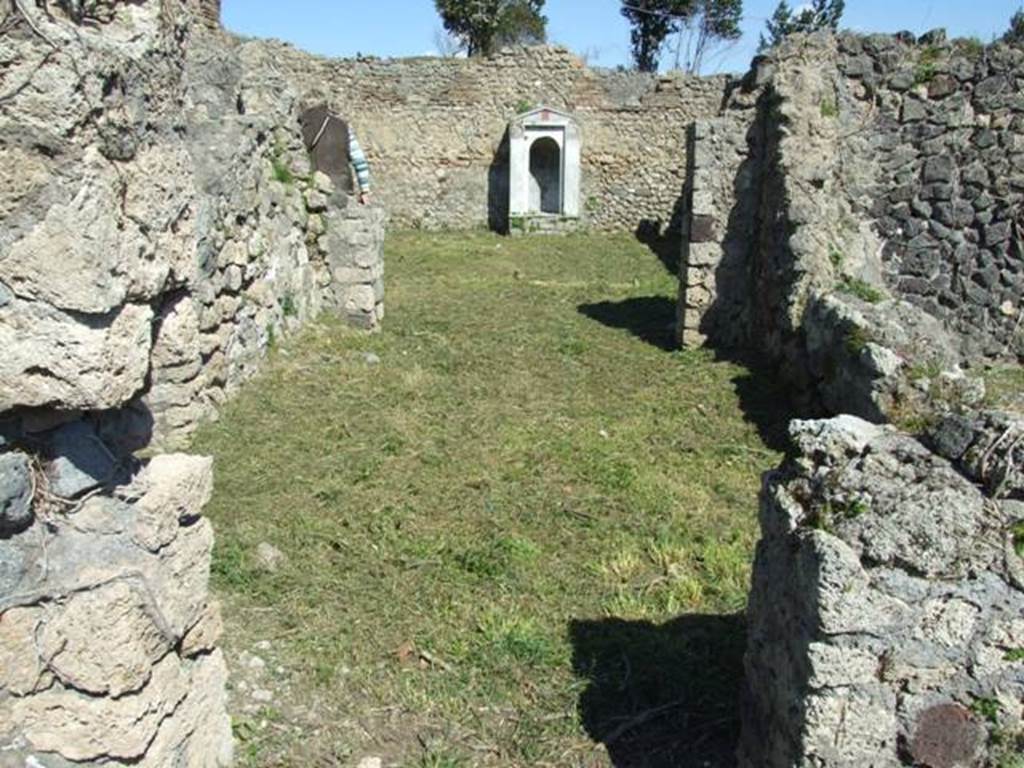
[(652, 21), (703, 24), (819, 14), (522, 24), (1015, 34), (709, 23), (482, 26)]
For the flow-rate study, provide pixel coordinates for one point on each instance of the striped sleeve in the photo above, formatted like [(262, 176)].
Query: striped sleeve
[(359, 164)]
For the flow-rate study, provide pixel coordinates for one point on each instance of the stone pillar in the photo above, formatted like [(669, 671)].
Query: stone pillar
[(885, 621), (718, 232), (107, 631), (352, 245), (702, 247)]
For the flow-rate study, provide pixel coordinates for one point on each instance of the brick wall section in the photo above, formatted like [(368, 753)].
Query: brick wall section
[(433, 130)]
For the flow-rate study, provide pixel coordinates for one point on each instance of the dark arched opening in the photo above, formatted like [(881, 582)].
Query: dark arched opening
[(545, 176)]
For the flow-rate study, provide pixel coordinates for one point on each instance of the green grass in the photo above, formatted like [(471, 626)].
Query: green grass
[(282, 172), (551, 513), (927, 64), (1004, 387), (854, 286)]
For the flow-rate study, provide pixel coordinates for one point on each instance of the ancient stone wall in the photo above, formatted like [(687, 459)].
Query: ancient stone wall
[(885, 621), (210, 13), (798, 246), (875, 173), (434, 131), (159, 228), (883, 626), (158, 251), (946, 137)]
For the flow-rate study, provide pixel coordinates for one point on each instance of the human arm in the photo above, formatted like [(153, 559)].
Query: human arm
[(359, 165)]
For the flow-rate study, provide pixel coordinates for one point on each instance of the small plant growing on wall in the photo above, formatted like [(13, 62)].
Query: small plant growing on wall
[(927, 65), (1017, 534), (971, 47), (857, 339), (281, 172), (835, 256), (288, 307), (854, 286), (523, 106)]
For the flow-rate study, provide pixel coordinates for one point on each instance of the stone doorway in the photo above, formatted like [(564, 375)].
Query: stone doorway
[(545, 176)]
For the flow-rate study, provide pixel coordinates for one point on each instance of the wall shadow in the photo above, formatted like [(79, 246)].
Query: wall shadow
[(649, 318), (765, 400), (661, 696), (730, 319), (665, 243), (497, 187)]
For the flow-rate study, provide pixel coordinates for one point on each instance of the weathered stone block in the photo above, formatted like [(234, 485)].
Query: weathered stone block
[(703, 229), (80, 461), (52, 358), (15, 492), (892, 641), (104, 641), (947, 736)]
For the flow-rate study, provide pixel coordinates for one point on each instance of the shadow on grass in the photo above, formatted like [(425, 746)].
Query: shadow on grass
[(662, 695), (666, 244), (649, 318), (765, 401)]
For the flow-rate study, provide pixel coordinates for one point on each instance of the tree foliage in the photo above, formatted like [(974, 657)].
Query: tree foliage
[(522, 24), (818, 14), (704, 23), (483, 26), (713, 21), (652, 22), (1015, 34)]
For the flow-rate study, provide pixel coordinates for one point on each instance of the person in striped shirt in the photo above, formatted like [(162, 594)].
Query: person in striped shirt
[(361, 168), (335, 150)]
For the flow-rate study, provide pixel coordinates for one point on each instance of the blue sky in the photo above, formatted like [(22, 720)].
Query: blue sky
[(590, 27)]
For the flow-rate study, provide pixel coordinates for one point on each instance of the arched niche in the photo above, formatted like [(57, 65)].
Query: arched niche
[(545, 176), (544, 172)]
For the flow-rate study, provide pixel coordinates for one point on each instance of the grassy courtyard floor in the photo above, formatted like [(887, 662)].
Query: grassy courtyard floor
[(521, 538)]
